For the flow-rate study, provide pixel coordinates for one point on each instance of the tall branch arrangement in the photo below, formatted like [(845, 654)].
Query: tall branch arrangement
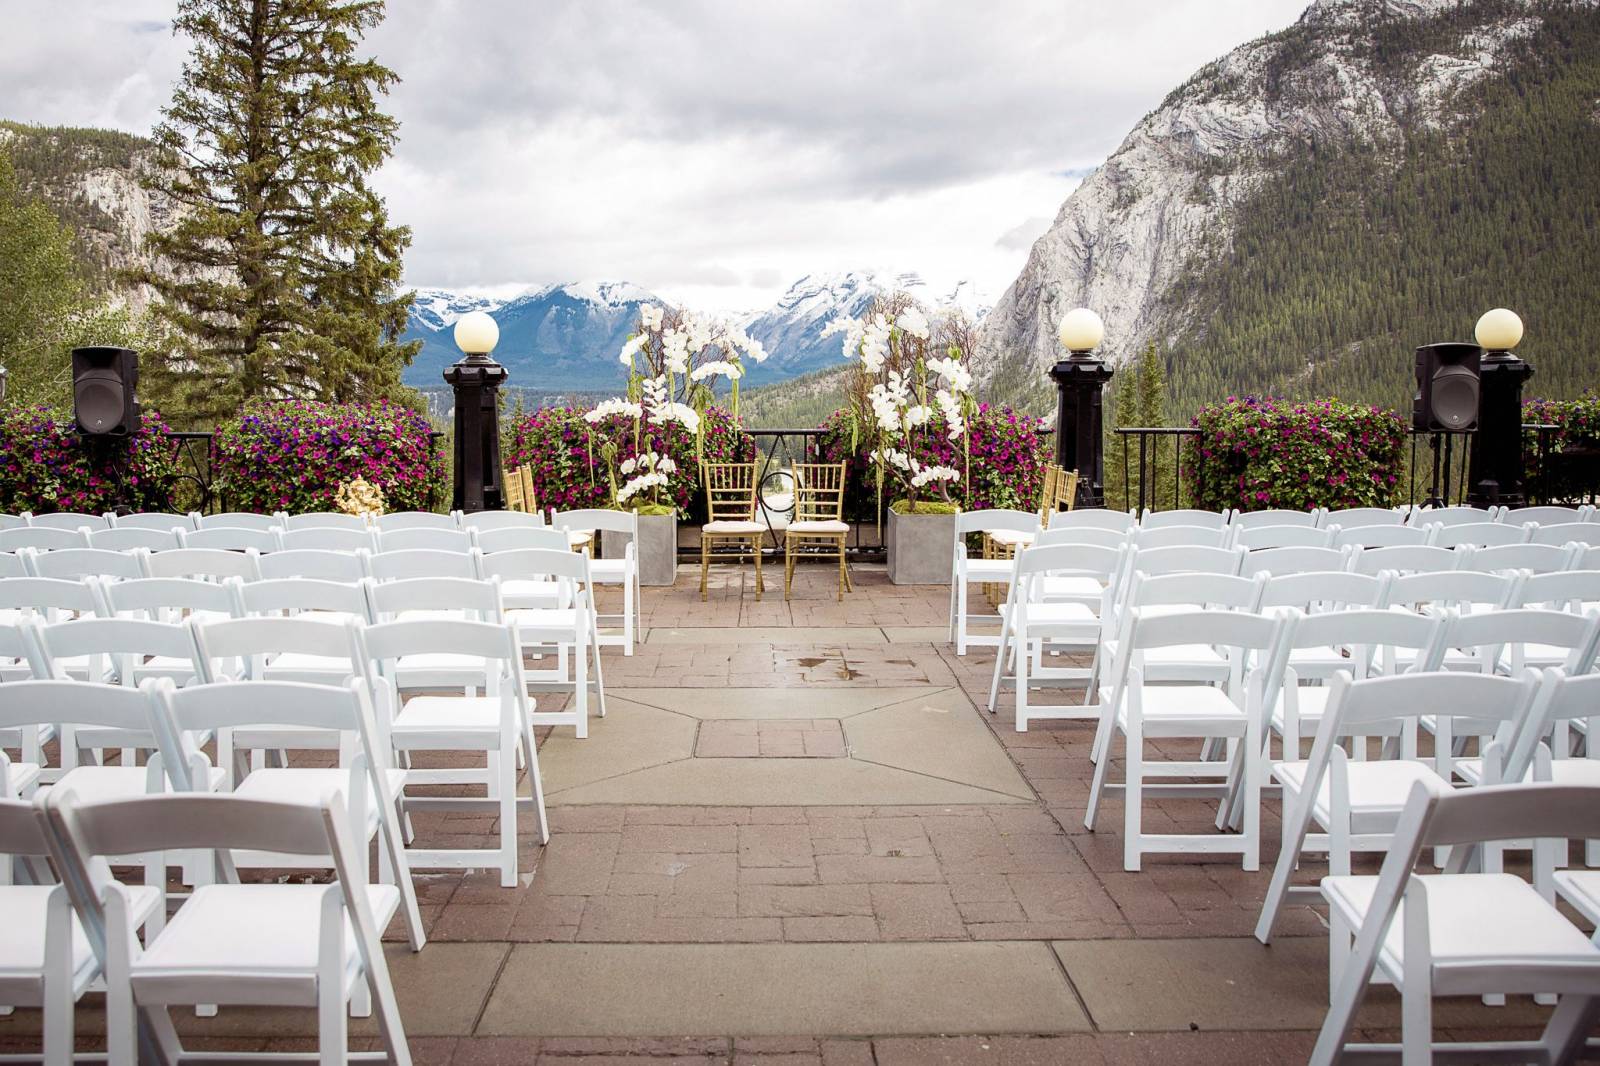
[(902, 389), (674, 359)]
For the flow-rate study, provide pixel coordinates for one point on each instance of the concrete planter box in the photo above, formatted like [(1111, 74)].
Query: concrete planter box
[(658, 548), (921, 548)]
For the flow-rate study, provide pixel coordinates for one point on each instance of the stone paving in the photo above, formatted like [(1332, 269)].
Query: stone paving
[(796, 838)]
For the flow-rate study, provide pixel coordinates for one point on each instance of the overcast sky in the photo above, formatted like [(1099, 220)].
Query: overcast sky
[(711, 150)]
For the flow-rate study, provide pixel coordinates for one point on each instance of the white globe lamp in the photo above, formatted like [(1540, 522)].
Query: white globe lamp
[(476, 333), (1499, 330), (1081, 331)]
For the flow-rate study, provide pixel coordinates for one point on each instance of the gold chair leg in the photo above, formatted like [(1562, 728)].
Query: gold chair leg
[(705, 564), (844, 564), (788, 568), (755, 549)]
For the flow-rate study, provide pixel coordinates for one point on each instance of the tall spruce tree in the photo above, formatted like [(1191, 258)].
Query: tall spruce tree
[(287, 269)]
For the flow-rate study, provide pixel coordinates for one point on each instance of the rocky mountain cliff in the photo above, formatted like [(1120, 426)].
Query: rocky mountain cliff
[(1281, 184)]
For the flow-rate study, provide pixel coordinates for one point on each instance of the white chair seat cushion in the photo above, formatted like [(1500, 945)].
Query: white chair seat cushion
[(530, 592), (1524, 926), (1175, 657), (22, 776), (994, 570), (301, 665), (1319, 662), (1053, 614), (22, 933), (301, 784), (1581, 888), (610, 571), (1011, 538), (1379, 789), (165, 666), (1182, 702), (93, 784), (724, 525), (1063, 587), (438, 662), (247, 930), (433, 716), (542, 619), (823, 525)]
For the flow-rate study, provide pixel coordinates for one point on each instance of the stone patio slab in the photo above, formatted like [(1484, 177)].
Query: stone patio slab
[(938, 734), (712, 636), (916, 634), (801, 702), (780, 989), (630, 737)]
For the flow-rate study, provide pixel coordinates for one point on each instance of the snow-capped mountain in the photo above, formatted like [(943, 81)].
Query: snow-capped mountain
[(438, 309)]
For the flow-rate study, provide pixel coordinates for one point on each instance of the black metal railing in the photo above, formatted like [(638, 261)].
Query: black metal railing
[(776, 449), (1152, 443)]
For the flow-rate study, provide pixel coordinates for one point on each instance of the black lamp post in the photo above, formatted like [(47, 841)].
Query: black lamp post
[(1080, 380), (1495, 468), (476, 379)]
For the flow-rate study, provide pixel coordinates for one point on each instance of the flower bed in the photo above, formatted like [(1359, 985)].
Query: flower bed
[(1004, 452), (570, 472), (46, 465), (1260, 452), (293, 456)]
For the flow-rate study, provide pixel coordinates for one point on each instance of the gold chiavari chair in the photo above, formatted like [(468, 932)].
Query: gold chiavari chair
[(818, 526), (515, 497), (731, 517)]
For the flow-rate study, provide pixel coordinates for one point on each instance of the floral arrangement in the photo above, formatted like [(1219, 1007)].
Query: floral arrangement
[(358, 497), (1568, 472), (1259, 452), (46, 465), (1003, 451), (648, 476), (901, 394), (294, 455), (566, 451)]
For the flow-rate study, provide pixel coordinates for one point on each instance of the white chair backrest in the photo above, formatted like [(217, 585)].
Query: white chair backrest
[(1316, 591), (1166, 536), (597, 519), (126, 639), (1562, 700), (482, 521), (1202, 591), (381, 646), (1288, 560), (468, 597), (1187, 559), (431, 539), (1276, 516), (13, 521), (422, 562), (160, 521), (1560, 590), (1355, 517), (1367, 631), (1382, 536), (21, 832), (301, 595), (1095, 517), (1537, 558), (520, 538), (315, 563), (1456, 589), (233, 538), (220, 644), (238, 520), (563, 564), (1548, 515), (1105, 538), (1405, 559), (11, 565), (169, 598), (1458, 514), (69, 520), (77, 703), (42, 538), (1481, 534), (388, 523), (1305, 535), (1490, 631), (1585, 533), (213, 563), (127, 538), (968, 522), (74, 563), (1089, 559), (326, 539), (1244, 638), (1184, 517), (46, 595), (324, 520)]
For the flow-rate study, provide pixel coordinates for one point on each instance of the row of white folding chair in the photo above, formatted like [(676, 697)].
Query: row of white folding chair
[(164, 520), (311, 945)]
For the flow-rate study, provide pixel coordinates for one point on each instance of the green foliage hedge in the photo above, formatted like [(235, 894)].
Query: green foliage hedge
[(1573, 471), (1255, 453), (46, 466)]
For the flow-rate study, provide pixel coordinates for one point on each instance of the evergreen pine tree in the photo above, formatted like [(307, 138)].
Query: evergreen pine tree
[(287, 268), (40, 290)]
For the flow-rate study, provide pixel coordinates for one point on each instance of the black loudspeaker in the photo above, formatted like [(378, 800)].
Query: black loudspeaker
[(1447, 388), (104, 384)]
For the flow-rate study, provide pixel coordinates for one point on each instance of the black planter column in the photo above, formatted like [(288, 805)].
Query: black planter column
[(476, 381), (1495, 468), (1080, 382)]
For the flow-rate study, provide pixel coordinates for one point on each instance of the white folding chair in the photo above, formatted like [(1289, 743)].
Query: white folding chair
[(1454, 515), (571, 626), (1294, 560), (1370, 537), (168, 599), (422, 562), (1172, 536), (127, 538), (346, 539), (1093, 518), (1562, 590), (238, 520), (234, 538), (73, 564), (519, 538), (1255, 648), (1405, 559), (1460, 934), (965, 570), (1355, 803), (1480, 535), (1585, 533), (298, 945), (316, 564), (1542, 748), (50, 599), (1547, 516), (424, 539), (484, 521), (368, 786), (305, 597), (1534, 558), (69, 520), (215, 564), (498, 726), (160, 521), (1106, 538), (323, 520), (45, 955), (1513, 639), (1204, 519), (122, 651), (1276, 516), (388, 523), (41, 538), (611, 570), (1356, 517), (1260, 537)]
